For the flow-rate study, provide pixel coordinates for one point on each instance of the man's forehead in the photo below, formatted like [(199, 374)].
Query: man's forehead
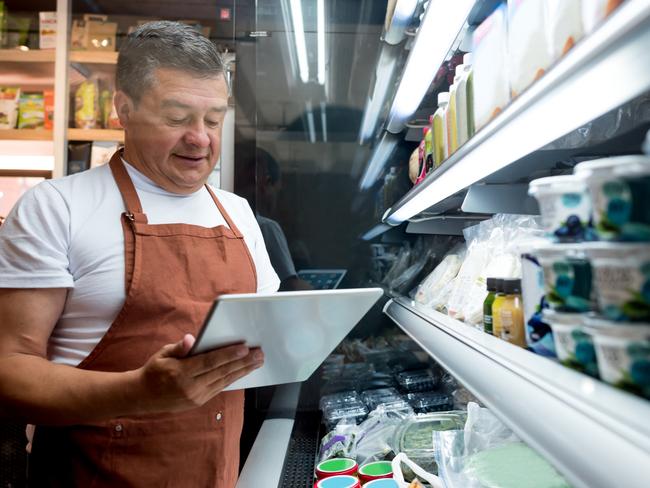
[(171, 102)]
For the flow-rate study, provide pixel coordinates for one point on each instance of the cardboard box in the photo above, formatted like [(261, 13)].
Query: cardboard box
[(47, 30), (9, 97), (93, 33), (48, 96)]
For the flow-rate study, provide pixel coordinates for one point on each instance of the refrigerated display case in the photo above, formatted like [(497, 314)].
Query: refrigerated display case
[(591, 102)]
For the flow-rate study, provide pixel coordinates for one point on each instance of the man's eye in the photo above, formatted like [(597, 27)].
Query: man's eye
[(175, 121), (212, 123)]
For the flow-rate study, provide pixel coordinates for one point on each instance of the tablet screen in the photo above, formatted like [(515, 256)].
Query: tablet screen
[(322, 279)]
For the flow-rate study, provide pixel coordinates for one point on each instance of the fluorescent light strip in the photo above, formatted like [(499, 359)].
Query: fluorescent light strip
[(440, 26), (572, 94), (383, 82), (299, 34), (375, 231), (323, 120), (291, 48), (380, 155), (310, 122), (320, 6)]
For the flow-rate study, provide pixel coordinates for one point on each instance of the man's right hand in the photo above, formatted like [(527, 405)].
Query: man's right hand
[(172, 381)]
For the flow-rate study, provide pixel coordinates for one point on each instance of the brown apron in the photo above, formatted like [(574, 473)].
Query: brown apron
[(173, 274)]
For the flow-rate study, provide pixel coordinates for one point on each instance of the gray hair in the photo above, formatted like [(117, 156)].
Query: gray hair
[(164, 44)]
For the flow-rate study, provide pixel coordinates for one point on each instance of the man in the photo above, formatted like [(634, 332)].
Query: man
[(106, 278)]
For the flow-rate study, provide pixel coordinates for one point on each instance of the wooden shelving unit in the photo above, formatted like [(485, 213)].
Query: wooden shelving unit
[(30, 56), (25, 135), (95, 135), (93, 57)]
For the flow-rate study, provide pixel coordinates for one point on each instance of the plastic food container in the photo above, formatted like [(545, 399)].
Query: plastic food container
[(383, 483), (574, 347), (339, 399), (430, 402), (623, 351), (421, 380), (375, 471), (349, 414), (414, 437), (539, 337), (565, 206), (621, 276), (567, 277), (620, 191), (338, 482), (374, 398), (336, 466)]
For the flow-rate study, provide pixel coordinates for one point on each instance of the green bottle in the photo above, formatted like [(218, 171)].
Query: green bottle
[(492, 288)]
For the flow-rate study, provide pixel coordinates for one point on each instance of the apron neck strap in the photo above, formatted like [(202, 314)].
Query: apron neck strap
[(225, 215), (124, 184)]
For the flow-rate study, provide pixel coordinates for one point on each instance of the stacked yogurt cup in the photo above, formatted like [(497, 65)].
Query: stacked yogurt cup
[(597, 268)]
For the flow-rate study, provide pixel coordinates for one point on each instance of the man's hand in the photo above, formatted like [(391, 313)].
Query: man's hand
[(171, 381)]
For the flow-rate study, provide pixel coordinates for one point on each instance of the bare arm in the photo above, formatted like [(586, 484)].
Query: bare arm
[(38, 391)]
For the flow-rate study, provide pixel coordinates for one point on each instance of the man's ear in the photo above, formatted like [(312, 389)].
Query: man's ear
[(124, 107)]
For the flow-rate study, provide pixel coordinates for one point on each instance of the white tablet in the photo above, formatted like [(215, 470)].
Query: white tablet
[(297, 330)]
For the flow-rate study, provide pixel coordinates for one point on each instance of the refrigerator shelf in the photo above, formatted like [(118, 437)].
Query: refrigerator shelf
[(594, 434), (602, 72)]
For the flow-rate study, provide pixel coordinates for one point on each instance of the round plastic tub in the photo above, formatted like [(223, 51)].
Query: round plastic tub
[(621, 278), (383, 483), (623, 352), (339, 481), (620, 192), (375, 471), (565, 206), (336, 466), (574, 347), (567, 277)]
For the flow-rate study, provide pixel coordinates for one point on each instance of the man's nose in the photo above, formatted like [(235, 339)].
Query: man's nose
[(197, 135)]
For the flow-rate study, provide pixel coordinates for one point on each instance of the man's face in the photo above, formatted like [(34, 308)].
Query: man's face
[(173, 135)]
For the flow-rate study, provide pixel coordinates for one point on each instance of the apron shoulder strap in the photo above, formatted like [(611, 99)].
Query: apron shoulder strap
[(125, 185), (226, 217)]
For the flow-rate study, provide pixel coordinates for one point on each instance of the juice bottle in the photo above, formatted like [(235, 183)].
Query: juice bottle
[(512, 314), (452, 133), (440, 130), (499, 298), (469, 93), (487, 304)]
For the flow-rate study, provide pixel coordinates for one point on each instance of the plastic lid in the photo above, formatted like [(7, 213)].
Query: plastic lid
[(492, 284), (467, 59), (336, 465), (607, 165), (377, 468), (554, 183), (511, 286), (443, 97)]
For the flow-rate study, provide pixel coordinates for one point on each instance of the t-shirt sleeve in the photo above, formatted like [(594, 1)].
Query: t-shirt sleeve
[(267, 279), (34, 241)]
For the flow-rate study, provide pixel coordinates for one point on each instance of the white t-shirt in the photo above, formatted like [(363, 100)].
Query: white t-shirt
[(66, 233)]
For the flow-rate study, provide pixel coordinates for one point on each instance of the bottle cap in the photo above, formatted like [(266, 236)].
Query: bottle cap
[(511, 286), (460, 69), (492, 284), (467, 59), (443, 97)]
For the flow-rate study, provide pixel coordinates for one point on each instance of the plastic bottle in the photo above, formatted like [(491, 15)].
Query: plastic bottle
[(468, 80), (452, 133), (428, 149), (487, 305), (512, 314), (440, 130), (496, 308)]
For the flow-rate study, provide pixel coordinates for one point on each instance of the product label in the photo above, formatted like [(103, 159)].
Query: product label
[(612, 206), (623, 289), (487, 323), (612, 362), (565, 215)]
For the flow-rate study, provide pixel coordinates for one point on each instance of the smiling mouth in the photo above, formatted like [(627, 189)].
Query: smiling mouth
[(195, 159)]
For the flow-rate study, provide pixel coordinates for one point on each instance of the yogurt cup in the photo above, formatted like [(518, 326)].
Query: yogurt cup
[(620, 191), (339, 481), (383, 483), (623, 352), (565, 206), (375, 471), (336, 466), (621, 279), (567, 277), (539, 337), (574, 347)]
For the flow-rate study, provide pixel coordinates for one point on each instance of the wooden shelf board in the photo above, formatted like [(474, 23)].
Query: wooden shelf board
[(25, 135), (94, 57), (31, 56), (95, 135)]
